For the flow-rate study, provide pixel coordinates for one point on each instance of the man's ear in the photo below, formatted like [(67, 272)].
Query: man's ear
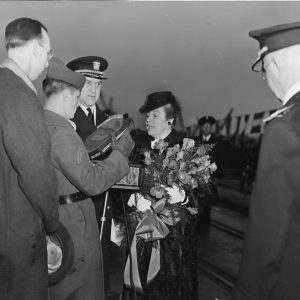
[(35, 48), (65, 95)]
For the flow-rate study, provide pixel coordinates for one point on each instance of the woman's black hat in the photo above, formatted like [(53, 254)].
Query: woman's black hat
[(156, 100)]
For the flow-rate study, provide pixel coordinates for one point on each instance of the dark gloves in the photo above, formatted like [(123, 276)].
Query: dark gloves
[(125, 144)]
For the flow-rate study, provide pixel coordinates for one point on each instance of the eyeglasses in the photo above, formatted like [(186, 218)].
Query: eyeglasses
[(261, 70), (49, 51)]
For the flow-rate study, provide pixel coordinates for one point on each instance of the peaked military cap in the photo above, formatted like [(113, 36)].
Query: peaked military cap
[(58, 70), (275, 38), (156, 100), (89, 66), (206, 119)]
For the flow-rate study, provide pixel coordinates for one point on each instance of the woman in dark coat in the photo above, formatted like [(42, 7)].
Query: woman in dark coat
[(177, 278)]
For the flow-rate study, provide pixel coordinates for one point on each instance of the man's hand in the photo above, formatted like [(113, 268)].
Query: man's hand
[(125, 144)]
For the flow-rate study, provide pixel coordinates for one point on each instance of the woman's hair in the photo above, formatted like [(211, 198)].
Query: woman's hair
[(173, 109), (22, 30), (53, 86)]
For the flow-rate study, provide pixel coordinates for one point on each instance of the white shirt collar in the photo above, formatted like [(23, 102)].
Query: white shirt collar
[(13, 66), (73, 124), (291, 92), (84, 108), (206, 137), (160, 138), (93, 109)]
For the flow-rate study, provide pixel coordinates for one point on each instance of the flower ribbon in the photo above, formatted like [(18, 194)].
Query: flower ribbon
[(151, 228)]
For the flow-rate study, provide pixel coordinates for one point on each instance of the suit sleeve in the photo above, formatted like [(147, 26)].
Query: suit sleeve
[(27, 143), (73, 161)]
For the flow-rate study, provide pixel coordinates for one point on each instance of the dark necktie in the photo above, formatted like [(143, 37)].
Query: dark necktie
[(90, 115)]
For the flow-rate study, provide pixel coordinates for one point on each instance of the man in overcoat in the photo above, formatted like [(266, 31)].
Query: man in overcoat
[(79, 179), (28, 186), (270, 267)]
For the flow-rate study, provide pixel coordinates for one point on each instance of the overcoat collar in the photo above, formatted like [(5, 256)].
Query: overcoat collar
[(55, 119), (13, 66)]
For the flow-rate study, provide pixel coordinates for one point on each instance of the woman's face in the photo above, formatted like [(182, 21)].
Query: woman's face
[(157, 123)]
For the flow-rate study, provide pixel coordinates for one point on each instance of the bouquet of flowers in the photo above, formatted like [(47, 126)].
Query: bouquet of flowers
[(172, 173)]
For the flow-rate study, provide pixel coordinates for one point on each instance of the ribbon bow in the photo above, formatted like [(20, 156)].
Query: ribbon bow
[(151, 228)]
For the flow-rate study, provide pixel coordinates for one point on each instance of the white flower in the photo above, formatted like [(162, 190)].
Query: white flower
[(139, 201), (213, 167), (177, 194), (188, 143)]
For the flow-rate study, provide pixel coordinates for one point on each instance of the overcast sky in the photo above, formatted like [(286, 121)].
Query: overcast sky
[(199, 50)]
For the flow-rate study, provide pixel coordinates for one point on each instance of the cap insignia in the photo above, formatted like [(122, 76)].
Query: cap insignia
[(96, 65), (278, 113)]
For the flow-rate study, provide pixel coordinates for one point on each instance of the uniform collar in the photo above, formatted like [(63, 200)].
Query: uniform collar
[(58, 120), (291, 92), (206, 137), (13, 66)]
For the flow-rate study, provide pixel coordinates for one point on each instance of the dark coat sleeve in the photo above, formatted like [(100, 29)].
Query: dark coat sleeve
[(274, 201), (27, 143)]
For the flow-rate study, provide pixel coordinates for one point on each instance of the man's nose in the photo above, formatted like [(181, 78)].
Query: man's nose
[(92, 88)]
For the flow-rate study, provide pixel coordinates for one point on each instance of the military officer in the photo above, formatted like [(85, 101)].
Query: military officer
[(88, 114), (78, 179), (270, 267), (208, 137), (206, 124), (87, 117)]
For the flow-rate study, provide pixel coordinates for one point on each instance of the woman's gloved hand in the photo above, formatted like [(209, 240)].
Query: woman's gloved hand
[(177, 194)]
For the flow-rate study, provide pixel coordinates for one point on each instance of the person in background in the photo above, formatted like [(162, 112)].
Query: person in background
[(270, 266), (87, 117), (208, 137), (79, 179), (28, 186)]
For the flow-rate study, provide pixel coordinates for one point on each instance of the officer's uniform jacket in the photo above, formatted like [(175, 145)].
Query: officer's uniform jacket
[(270, 267), (84, 127), (75, 172), (212, 139)]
